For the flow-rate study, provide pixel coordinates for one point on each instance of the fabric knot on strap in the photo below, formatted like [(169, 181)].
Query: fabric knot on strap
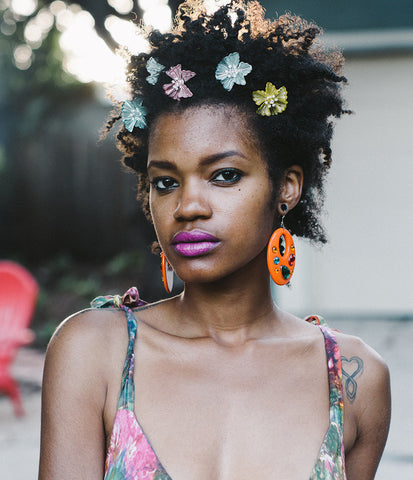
[(130, 300)]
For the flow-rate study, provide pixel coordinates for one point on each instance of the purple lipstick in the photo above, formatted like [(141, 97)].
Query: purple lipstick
[(194, 243)]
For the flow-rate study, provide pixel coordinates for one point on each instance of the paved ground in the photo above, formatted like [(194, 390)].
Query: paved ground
[(19, 438)]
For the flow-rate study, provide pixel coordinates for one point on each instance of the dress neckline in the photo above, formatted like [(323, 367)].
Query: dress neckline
[(126, 402)]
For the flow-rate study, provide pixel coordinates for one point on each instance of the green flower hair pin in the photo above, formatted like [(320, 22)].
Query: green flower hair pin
[(271, 101), (154, 69), (230, 71), (133, 114)]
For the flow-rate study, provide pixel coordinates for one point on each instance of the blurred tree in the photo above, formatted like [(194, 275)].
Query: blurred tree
[(30, 42)]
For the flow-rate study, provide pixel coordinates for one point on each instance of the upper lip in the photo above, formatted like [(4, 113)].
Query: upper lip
[(193, 236)]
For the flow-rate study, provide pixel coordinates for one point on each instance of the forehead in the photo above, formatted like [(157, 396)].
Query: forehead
[(201, 131)]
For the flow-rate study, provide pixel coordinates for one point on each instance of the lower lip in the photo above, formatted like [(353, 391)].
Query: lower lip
[(194, 249)]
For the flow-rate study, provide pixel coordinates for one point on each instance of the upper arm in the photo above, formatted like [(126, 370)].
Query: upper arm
[(371, 411), (73, 397)]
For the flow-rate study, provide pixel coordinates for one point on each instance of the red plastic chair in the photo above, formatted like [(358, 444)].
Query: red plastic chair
[(18, 296)]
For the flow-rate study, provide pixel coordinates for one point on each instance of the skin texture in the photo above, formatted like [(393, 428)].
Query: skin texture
[(227, 385)]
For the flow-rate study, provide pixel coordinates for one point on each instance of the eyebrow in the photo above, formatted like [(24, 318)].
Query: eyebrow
[(210, 159)]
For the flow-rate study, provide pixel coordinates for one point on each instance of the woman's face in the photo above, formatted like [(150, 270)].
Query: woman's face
[(210, 194)]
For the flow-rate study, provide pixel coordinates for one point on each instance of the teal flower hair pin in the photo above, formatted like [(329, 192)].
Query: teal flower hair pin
[(230, 71), (133, 114), (271, 101), (154, 69)]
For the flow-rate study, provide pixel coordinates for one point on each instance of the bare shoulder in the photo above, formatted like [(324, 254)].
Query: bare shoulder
[(367, 405), (84, 346), (366, 387), (91, 321), (360, 361), (90, 330)]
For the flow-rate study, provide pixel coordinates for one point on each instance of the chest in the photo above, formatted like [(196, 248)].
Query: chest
[(226, 415)]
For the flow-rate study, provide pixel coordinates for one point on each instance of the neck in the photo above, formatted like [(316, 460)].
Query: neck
[(234, 309)]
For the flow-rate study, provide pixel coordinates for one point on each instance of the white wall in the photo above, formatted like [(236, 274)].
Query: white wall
[(367, 267)]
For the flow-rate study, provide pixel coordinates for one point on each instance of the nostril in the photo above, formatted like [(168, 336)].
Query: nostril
[(191, 208)]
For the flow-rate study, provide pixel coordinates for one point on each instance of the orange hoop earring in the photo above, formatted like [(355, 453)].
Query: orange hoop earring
[(167, 274), (281, 254)]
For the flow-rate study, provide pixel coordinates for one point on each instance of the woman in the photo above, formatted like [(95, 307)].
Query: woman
[(229, 130)]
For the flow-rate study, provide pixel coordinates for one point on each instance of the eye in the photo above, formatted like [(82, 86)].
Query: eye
[(227, 176), (164, 184)]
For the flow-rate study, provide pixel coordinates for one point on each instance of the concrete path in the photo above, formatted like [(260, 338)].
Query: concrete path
[(19, 438)]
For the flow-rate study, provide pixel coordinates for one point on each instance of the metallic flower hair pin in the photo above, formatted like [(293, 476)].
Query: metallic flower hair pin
[(154, 69), (271, 101), (133, 114), (177, 88), (230, 71)]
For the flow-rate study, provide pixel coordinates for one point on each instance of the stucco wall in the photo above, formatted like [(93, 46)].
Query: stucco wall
[(367, 267)]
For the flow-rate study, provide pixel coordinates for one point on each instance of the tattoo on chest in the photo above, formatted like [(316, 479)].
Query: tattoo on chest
[(352, 369)]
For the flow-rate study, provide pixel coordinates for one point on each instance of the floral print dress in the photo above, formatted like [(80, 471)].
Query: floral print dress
[(130, 456)]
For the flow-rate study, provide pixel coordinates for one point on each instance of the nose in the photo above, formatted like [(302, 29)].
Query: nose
[(193, 202)]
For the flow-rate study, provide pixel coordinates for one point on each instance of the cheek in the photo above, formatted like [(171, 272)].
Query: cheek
[(253, 218), (157, 214)]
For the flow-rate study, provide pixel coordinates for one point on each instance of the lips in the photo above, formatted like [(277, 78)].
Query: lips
[(194, 243)]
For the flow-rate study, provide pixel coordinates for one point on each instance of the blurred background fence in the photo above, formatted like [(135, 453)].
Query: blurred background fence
[(69, 192)]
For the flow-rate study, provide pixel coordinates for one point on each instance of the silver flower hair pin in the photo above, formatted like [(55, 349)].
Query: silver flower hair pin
[(154, 68)]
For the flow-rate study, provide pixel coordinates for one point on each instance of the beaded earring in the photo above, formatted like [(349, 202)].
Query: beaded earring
[(281, 253), (167, 274)]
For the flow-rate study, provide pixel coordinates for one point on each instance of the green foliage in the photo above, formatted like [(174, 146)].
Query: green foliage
[(67, 285), (82, 287), (122, 262)]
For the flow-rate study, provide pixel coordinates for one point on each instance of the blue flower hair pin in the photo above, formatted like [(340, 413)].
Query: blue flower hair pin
[(133, 114), (230, 71), (154, 69)]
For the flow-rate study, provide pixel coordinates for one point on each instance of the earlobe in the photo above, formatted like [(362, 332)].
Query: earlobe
[(291, 188)]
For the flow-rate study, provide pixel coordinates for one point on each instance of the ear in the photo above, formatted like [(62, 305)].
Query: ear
[(291, 188)]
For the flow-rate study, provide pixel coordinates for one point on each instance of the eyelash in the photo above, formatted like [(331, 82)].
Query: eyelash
[(236, 176), (156, 181)]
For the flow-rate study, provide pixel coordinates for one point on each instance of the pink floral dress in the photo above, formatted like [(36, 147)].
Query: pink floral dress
[(131, 457)]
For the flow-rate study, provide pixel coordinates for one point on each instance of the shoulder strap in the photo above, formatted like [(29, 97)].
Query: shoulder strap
[(334, 369), (316, 320), (334, 375), (126, 398)]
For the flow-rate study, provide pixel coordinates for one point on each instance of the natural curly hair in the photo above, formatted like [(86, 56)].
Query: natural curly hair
[(283, 52)]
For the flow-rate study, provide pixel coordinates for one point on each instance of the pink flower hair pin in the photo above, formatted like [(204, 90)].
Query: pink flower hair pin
[(177, 88)]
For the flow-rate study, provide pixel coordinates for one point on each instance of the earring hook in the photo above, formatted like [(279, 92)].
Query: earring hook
[(284, 208)]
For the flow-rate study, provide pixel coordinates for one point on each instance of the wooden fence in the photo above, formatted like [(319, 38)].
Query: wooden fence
[(69, 191)]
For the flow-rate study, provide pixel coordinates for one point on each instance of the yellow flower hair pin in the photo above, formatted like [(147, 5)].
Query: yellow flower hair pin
[(271, 101)]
